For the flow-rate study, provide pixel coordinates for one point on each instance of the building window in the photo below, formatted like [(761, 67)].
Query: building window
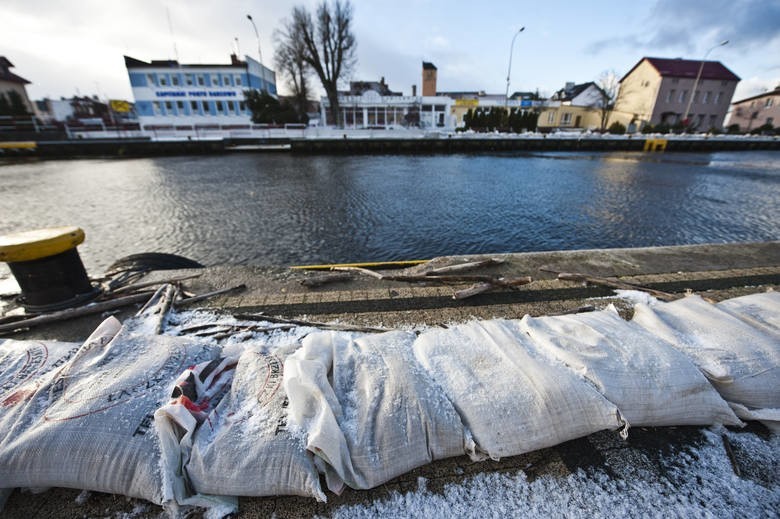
[(718, 97), (168, 106), (188, 79), (163, 80), (175, 80), (769, 102), (707, 96), (713, 118), (238, 80), (226, 80), (242, 106), (180, 105), (683, 95), (157, 108), (205, 107), (701, 121), (150, 78), (194, 106), (770, 120), (215, 80), (566, 119), (675, 80), (201, 80), (670, 95), (696, 96), (550, 117), (723, 83)]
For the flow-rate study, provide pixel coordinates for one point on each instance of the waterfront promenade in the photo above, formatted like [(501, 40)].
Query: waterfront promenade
[(715, 271)]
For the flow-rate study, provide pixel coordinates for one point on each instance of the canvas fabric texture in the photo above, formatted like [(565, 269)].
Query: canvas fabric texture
[(89, 423), (760, 311), (246, 446), (369, 410), (651, 382), (511, 399), (741, 361)]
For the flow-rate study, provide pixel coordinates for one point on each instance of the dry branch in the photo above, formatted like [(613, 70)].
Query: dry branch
[(614, 283), (463, 267)]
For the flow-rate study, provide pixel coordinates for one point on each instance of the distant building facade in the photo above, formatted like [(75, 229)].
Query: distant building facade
[(372, 105), (759, 110), (658, 90), (576, 106), (12, 86), (170, 95)]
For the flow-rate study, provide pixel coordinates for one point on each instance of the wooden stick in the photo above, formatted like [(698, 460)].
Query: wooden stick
[(360, 270), (462, 267), (207, 295), (730, 454), (70, 313), (324, 326), (614, 283), (473, 290), (145, 284)]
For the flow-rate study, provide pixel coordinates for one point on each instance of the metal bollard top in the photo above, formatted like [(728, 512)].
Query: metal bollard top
[(39, 243)]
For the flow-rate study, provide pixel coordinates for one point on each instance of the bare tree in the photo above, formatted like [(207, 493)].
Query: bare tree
[(329, 43), (290, 60), (609, 83)]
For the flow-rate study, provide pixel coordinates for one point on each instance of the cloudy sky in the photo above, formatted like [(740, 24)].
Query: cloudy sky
[(76, 46)]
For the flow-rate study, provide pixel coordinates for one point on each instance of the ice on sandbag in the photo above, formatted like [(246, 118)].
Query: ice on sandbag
[(369, 410), (651, 382), (244, 446), (741, 361), (510, 398), (759, 310), (24, 363), (89, 424)]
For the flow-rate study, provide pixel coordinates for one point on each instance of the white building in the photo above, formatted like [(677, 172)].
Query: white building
[(371, 104), (173, 96)]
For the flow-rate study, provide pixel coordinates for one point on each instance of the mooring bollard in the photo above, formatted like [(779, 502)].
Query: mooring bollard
[(48, 268)]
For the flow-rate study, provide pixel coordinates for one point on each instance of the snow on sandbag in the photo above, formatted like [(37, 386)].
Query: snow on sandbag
[(742, 362), (24, 363), (758, 310), (651, 382), (510, 398), (89, 424), (244, 445), (369, 410)]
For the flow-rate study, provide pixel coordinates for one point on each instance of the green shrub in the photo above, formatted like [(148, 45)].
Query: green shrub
[(617, 129)]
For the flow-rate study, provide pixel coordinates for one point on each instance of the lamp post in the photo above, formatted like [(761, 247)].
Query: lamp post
[(509, 70), (696, 82), (259, 52)]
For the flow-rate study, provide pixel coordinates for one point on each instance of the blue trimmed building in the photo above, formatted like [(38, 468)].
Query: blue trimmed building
[(173, 96)]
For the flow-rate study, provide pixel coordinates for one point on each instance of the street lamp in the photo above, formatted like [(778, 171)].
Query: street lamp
[(696, 82), (259, 51), (509, 70)]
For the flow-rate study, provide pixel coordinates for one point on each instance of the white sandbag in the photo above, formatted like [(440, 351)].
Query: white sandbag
[(24, 363), (511, 399), (651, 382), (759, 310), (369, 410), (89, 424), (741, 361), (244, 446)]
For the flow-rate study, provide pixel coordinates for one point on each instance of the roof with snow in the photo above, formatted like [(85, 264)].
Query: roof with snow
[(687, 68), (567, 94), (7, 75)]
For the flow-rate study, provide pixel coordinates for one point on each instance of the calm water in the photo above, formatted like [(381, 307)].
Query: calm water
[(279, 209)]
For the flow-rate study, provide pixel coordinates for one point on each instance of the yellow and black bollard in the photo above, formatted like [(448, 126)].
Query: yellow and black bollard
[(48, 268)]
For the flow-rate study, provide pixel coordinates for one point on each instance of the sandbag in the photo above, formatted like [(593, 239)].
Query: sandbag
[(24, 363), (651, 382), (89, 424), (741, 361), (761, 310), (369, 410), (510, 398), (244, 445)]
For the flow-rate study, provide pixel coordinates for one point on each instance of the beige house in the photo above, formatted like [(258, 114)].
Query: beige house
[(661, 90), (573, 107), (757, 111), (10, 82)]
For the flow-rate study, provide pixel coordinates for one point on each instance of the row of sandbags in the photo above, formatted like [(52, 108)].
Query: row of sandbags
[(179, 420)]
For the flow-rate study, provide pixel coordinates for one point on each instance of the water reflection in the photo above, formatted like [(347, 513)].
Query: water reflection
[(284, 209)]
